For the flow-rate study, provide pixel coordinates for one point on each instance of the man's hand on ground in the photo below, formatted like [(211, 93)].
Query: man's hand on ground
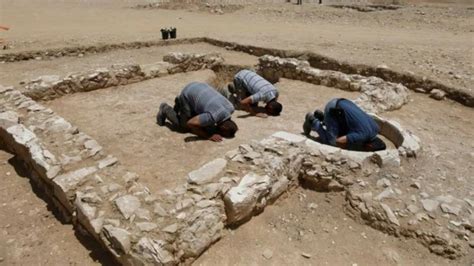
[(216, 138)]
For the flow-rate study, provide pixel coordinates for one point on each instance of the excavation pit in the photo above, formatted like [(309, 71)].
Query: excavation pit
[(122, 120)]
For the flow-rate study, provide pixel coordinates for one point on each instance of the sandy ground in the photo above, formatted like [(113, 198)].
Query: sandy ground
[(30, 234), (314, 224), (431, 40), (435, 41)]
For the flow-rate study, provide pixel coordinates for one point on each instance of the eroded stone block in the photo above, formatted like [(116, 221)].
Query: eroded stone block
[(241, 200), (207, 172), (127, 205)]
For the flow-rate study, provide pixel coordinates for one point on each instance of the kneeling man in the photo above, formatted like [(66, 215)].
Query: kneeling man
[(345, 125), (199, 108), (249, 89)]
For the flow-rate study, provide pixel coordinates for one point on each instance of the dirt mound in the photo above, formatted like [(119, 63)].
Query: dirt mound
[(201, 6)]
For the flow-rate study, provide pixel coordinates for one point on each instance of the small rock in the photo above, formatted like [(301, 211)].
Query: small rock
[(437, 94), (392, 255), (424, 195), (451, 209), (390, 215), (416, 185), (429, 205), (110, 160), (146, 226), (171, 228), (120, 238), (420, 90), (267, 254), (305, 255), (388, 192), (207, 172), (412, 208), (335, 186), (127, 205), (384, 182), (471, 243), (470, 202)]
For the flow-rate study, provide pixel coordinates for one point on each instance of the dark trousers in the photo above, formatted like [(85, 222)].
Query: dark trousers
[(179, 114), (238, 92), (299, 2)]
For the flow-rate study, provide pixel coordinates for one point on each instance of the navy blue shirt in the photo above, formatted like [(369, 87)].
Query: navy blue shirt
[(354, 123)]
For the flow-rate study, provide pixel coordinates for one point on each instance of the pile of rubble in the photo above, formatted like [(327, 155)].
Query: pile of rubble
[(184, 62), (51, 86), (376, 96)]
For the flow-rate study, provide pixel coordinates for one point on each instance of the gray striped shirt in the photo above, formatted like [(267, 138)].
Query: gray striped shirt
[(208, 103), (259, 88)]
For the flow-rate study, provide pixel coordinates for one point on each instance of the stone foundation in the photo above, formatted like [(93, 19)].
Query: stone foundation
[(51, 87), (315, 60), (376, 96), (96, 193), (138, 226)]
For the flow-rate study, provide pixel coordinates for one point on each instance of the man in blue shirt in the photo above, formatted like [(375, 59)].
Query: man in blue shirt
[(250, 89), (345, 125), (199, 108)]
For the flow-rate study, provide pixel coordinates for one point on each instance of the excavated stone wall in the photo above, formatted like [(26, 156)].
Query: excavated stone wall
[(141, 227), (376, 96), (410, 80), (52, 87), (79, 51), (138, 226)]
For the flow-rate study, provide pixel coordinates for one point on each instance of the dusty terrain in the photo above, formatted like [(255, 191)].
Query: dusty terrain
[(30, 232), (432, 40), (123, 120)]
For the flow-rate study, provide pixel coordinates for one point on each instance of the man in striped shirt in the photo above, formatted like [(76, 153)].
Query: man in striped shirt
[(199, 108), (249, 89)]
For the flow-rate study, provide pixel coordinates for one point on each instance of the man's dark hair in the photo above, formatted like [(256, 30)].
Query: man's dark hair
[(318, 114), (273, 108), (227, 129)]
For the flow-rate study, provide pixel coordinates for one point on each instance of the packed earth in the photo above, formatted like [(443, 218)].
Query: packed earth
[(88, 177)]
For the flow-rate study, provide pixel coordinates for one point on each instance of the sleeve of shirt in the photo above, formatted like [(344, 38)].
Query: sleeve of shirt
[(257, 97), (206, 120)]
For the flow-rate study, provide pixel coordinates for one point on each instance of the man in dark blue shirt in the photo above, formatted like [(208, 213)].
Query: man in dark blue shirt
[(345, 125)]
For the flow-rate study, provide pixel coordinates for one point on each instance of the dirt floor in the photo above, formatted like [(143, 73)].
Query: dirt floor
[(123, 120), (30, 234), (433, 40)]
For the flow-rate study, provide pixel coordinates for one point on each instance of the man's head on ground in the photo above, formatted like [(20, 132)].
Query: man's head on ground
[(273, 108), (318, 114), (227, 128)]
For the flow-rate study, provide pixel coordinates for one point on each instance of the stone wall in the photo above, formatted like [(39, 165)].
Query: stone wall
[(376, 96), (79, 51), (52, 87), (138, 226), (410, 80)]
